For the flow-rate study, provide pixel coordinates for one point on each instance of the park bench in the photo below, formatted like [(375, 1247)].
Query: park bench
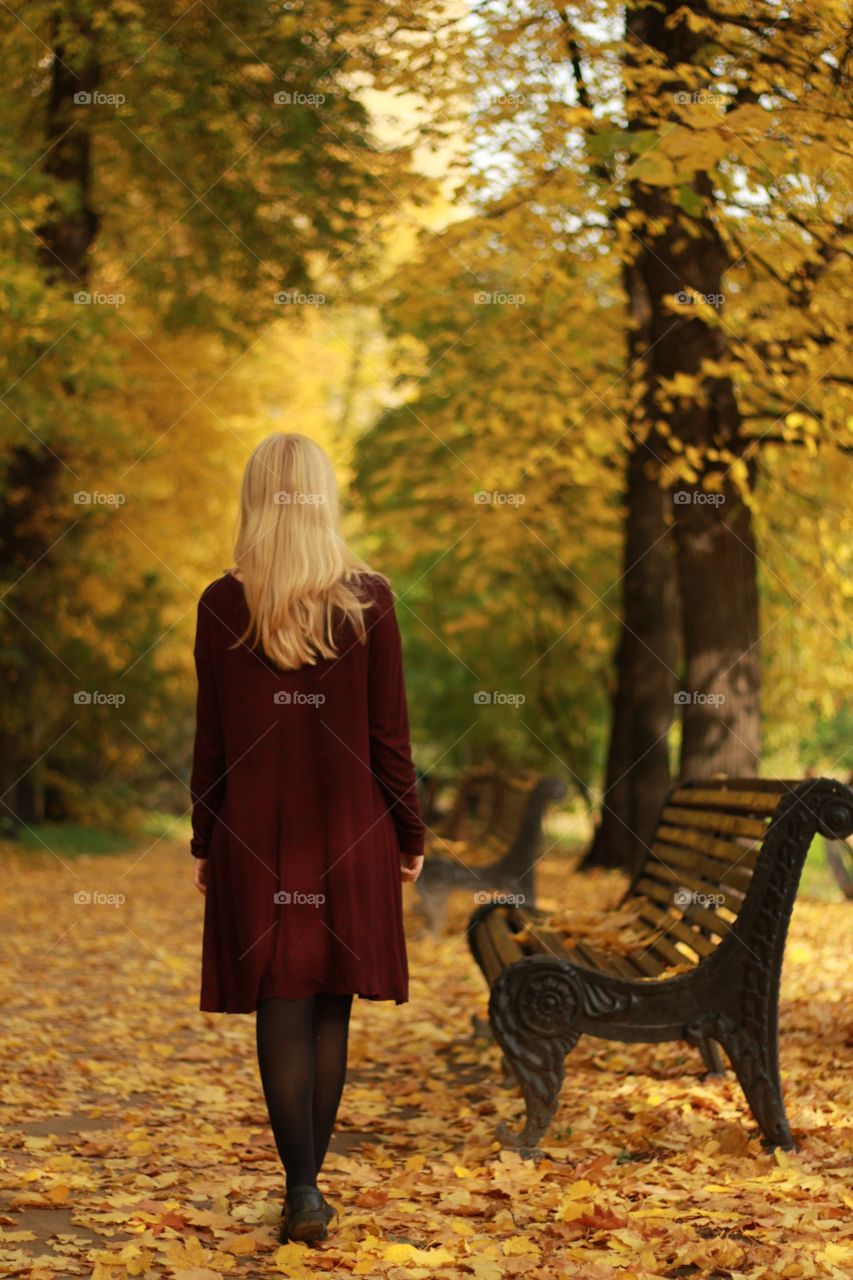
[(490, 840), (709, 910)]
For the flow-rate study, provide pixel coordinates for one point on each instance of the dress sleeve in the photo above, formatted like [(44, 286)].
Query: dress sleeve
[(208, 777), (390, 749)]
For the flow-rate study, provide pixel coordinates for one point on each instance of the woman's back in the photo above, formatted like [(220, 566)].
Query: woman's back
[(304, 786)]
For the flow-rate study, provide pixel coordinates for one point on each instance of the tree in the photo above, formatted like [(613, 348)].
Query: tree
[(169, 180), (700, 148)]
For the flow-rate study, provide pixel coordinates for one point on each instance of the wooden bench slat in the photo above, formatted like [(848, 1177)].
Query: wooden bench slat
[(503, 939), (752, 801), (661, 945), (547, 941), (675, 928), (688, 879), (717, 873), (649, 964), (781, 785), (708, 820), (589, 957), (739, 857), (604, 961), (489, 958), (726, 850)]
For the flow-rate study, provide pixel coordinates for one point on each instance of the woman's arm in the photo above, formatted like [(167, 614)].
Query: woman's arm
[(208, 777), (390, 749)]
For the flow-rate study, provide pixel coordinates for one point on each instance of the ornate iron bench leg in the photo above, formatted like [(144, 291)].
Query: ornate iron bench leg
[(756, 1065), (480, 1028), (434, 901), (532, 1018), (712, 1057)]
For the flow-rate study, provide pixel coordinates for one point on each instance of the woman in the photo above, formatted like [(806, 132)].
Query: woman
[(305, 813)]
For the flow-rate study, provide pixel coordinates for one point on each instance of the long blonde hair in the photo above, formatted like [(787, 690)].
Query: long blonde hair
[(299, 576)]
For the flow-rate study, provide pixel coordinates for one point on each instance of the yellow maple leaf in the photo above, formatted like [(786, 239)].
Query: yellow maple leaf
[(402, 1253)]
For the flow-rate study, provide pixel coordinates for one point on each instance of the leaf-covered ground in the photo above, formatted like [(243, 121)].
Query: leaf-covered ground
[(136, 1140)]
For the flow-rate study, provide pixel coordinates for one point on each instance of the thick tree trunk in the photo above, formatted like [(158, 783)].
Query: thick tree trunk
[(717, 571), (31, 517), (638, 771), (709, 561)]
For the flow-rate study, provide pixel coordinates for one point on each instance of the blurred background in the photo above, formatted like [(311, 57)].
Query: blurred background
[(566, 297)]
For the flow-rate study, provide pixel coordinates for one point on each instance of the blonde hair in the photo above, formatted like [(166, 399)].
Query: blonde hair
[(299, 576)]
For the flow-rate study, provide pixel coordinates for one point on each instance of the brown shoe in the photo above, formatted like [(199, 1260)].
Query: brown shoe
[(305, 1216)]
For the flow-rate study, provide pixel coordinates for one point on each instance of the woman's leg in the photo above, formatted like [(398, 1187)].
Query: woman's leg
[(331, 1030), (285, 1040)]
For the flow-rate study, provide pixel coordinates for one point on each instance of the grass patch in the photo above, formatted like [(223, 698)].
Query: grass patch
[(71, 840)]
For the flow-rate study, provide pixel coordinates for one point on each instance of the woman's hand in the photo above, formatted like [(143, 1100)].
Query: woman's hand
[(201, 874), (410, 866)]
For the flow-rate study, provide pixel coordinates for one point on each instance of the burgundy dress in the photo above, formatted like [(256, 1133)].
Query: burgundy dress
[(303, 792)]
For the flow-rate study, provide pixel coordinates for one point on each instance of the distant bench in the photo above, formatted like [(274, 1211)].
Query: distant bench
[(708, 913), (489, 840)]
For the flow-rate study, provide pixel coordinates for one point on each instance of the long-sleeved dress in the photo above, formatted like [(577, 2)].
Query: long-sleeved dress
[(304, 796)]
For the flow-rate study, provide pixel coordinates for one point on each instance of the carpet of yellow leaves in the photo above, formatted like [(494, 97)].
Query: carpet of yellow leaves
[(136, 1139)]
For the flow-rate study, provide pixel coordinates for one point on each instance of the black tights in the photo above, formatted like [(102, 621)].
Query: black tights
[(302, 1056)]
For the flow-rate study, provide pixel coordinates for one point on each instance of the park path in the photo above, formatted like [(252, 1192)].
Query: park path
[(136, 1143)]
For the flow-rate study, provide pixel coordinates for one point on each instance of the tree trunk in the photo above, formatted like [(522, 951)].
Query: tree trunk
[(638, 772), (31, 514), (703, 578), (717, 572)]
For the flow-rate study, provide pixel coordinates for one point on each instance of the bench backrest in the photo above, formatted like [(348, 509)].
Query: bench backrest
[(699, 868), (476, 794)]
